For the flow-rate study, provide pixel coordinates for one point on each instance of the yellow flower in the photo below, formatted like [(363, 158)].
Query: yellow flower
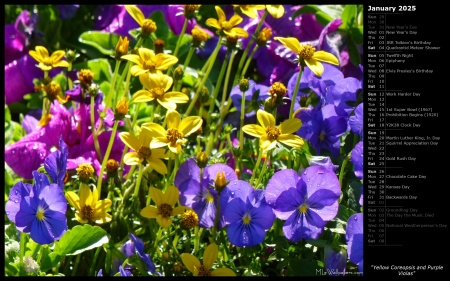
[(250, 11), (147, 25), (308, 55), (209, 256), (165, 203), (88, 207), (157, 85), (147, 61), (270, 135), (142, 151), (277, 11), (46, 62), (225, 27), (177, 129)]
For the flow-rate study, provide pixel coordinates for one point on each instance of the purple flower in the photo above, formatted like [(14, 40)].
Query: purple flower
[(323, 161), (246, 213), (27, 154), (124, 272), (135, 246), (357, 158), (67, 11), (334, 262), (41, 210), (361, 198), (56, 163), (323, 127), (306, 203), (201, 197), (175, 19), (356, 121), (355, 240)]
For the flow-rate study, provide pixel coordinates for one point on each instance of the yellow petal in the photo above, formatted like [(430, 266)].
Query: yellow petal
[(167, 104), (277, 11), (157, 196), (210, 255), (315, 66), (190, 262), (213, 23), (130, 140), (137, 70), (145, 138), (155, 129), (235, 20), (94, 196), (291, 140), (102, 206), (146, 54), (173, 119), (223, 272), (149, 212), (237, 31), (176, 97), (80, 219), (57, 56), (44, 67), (159, 142), (73, 199), (164, 61), (42, 51), (254, 130), (142, 96), (290, 42), (290, 126), (61, 63), (135, 13), (35, 55), (163, 221), (133, 58), (179, 210), (265, 119), (159, 153), (325, 57), (131, 159), (171, 195), (85, 195), (158, 165), (220, 14), (103, 219), (190, 125)]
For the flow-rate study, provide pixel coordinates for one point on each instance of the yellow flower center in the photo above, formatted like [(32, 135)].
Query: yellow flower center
[(322, 136), (189, 219), (112, 166), (199, 35), (48, 61), (246, 219), (272, 133), (202, 271), (306, 52), (144, 152), (173, 135), (85, 171), (148, 26), (53, 89), (149, 65), (86, 77), (157, 92), (209, 197), (165, 210), (303, 208), (189, 10), (40, 214), (87, 212), (226, 26)]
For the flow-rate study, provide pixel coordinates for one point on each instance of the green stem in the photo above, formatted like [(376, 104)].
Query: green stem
[(94, 131), (188, 58), (255, 168), (263, 170), (22, 246), (249, 60), (138, 182), (106, 158), (180, 37), (91, 269), (217, 87), (111, 88), (294, 95), (75, 266), (208, 71), (342, 171)]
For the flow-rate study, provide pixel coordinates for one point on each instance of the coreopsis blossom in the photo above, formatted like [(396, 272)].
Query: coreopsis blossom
[(200, 194), (307, 54), (270, 134), (143, 152), (354, 236), (194, 265), (157, 87), (38, 209), (177, 130), (306, 202), (165, 206), (87, 205), (225, 27), (148, 26), (148, 61), (246, 213), (47, 62), (250, 11)]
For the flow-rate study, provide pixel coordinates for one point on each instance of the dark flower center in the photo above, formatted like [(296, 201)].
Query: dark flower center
[(165, 210), (173, 135), (149, 65), (306, 52), (157, 92), (144, 152), (272, 133), (87, 212), (202, 271)]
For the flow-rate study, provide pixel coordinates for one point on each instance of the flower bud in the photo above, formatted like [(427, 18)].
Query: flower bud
[(112, 166), (148, 27), (121, 109), (71, 55), (158, 46), (264, 36), (122, 47), (190, 11), (220, 181), (243, 85), (85, 172), (93, 90), (178, 73), (202, 159)]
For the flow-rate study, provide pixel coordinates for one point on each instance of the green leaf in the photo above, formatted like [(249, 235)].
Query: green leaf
[(103, 41), (344, 213), (80, 239), (349, 16), (49, 260), (303, 267), (355, 56)]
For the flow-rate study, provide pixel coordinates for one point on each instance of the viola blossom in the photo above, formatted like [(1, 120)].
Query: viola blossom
[(177, 130), (356, 121), (56, 164), (47, 62), (354, 236), (201, 196), (148, 62), (135, 247), (270, 134), (335, 262), (225, 27), (193, 264), (323, 128), (142, 151), (246, 213), (177, 14), (357, 159), (165, 206), (254, 97), (157, 87), (305, 202), (307, 55), (88, 206), (38, 209)]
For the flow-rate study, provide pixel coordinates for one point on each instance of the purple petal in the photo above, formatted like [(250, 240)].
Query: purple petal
[(297, 227), (280, 181), (210, 173), (187, 171), (18, 191), (317, 177), (287, 203), (262, 216), (357, 158), (56, 223), (40, 233)]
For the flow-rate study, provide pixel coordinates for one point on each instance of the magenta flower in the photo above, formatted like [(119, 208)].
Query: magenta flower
[(305, 202)]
